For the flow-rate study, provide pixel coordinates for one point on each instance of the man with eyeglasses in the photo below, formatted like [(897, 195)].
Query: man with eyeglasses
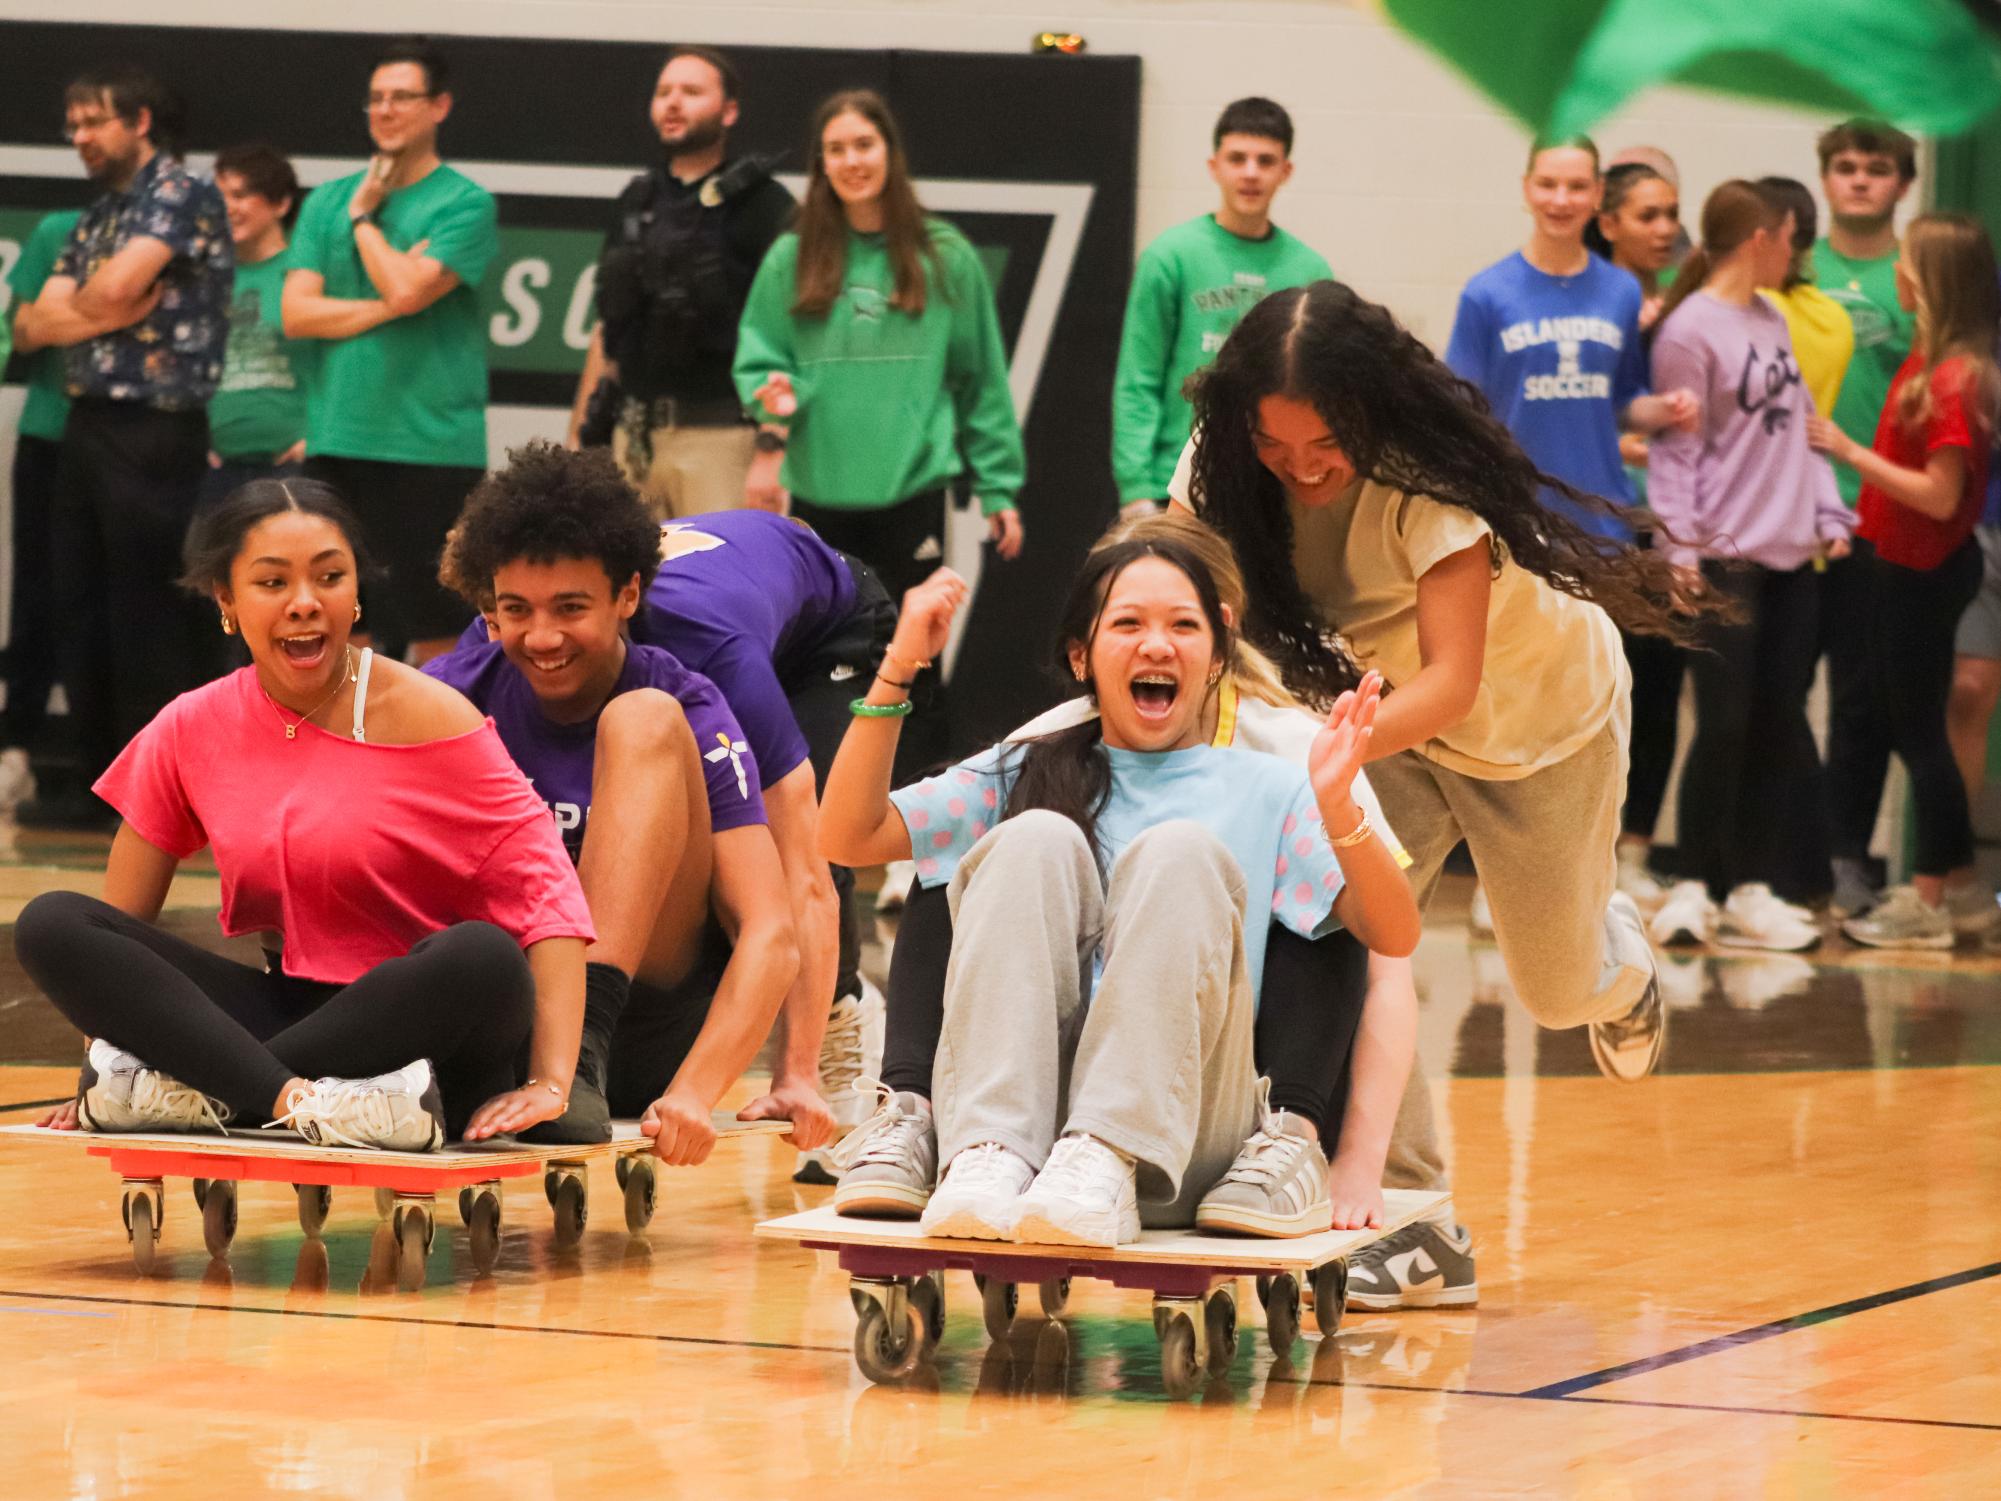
[(138, 301), (385, 265)]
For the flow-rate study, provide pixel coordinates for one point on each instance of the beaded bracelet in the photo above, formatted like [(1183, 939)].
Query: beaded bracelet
[(913, 663), (1354, 836), (861, 708)]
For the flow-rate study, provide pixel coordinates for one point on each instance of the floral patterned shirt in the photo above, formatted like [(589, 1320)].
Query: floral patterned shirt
[(171, 359)]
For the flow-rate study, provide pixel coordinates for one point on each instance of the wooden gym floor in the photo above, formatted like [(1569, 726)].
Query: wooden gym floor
[(1774, 1271)]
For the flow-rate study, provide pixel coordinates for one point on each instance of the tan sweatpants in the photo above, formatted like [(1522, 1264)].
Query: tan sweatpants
[(1157, 1061), (1545, 848), (695, 470)]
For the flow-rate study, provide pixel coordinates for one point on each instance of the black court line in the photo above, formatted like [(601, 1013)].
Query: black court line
[(399, 1318), (1750, 1336), (1762, 1412), (61, 1099)]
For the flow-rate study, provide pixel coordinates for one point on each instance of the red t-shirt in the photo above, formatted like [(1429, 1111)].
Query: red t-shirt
[(1900, 534), (350, 852)]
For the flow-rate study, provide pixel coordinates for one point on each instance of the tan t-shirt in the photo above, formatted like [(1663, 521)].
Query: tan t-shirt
[(1554, 672)]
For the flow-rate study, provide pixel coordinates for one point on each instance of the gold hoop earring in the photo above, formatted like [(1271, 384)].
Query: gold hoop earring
[(228, 625), (357, 609)]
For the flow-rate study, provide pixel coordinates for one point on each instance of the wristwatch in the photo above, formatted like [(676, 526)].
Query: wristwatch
[(768, 441), (355, 221)]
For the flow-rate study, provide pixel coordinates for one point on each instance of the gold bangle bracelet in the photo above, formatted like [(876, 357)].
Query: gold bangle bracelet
[(1361, 831)]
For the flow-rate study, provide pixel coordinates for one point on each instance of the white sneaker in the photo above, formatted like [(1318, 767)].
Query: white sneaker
[(1753, 918), (889, 1162), (17, 779), (976, 1198), (1687, 916), (394, 1112), (1479, 916), (897, 879), (125, 1095), (1084, 1196)]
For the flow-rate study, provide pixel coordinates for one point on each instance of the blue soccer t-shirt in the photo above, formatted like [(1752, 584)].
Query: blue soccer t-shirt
[(1559, 358), (1260, 806), (560, 758)]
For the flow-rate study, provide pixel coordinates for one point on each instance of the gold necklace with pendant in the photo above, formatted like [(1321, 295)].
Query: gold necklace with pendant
[(292, 726)]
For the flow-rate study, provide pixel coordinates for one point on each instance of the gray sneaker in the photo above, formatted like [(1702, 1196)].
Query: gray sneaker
[(1420, 1266), (1902, 920), (394, 1112), (119, 1093), (1853, 895), (1278, 1184), (889, 1163)]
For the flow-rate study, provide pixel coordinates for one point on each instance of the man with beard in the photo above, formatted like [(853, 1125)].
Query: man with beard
[(384, 267), (672, 278), (138, 300)]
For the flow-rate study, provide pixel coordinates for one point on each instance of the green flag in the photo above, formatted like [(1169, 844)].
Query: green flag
[(1561, 66)]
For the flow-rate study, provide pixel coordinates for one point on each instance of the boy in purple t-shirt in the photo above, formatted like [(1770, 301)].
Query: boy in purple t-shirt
[(658, 796)]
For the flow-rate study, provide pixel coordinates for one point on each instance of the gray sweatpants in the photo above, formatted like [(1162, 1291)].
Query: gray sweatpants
[(1157, 1062), (1545, 847)]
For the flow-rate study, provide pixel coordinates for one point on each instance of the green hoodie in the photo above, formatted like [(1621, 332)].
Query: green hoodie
[(888, 402)]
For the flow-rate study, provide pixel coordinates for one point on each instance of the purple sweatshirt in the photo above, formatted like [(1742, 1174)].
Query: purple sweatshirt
[(1745, 484)]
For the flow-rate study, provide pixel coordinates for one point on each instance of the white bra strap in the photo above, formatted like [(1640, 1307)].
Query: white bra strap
[(361, 691)]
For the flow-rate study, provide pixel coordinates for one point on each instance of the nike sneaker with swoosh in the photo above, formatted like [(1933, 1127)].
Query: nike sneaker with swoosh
[(1420, 1266)]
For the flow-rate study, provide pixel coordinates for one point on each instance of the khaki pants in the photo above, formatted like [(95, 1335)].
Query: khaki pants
[(1157, 1061), (695, 470), (1545, 850)]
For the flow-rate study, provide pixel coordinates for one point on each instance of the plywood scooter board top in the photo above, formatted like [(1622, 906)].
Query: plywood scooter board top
[(823, 1229)]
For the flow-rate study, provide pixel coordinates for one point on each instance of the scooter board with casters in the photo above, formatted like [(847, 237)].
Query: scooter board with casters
[(897, 1282), (406, 1184)]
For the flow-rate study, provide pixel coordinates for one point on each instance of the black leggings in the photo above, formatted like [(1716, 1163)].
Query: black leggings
[(1657, 665), (462, 998), (1909, 619), (1751, 806), (1308, 1010)]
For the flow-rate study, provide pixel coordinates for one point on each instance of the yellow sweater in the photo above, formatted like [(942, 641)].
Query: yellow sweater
[(1823, 340)]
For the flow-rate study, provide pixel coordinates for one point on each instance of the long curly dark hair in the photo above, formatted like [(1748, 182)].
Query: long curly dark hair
[(1406, 421)]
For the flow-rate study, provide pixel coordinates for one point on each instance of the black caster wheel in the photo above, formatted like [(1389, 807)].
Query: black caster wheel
[(636, 1177), (218, 1218), (1282, 1313), (550, 1183), (315, 1204), (1330, 1295), (200, 1186), (621, 1170), (1178, 1371), (998, 1302), (465, 1205), (572, 1211), (413, 1246), (884, 1355), (144, 1230), (483, 1231), (927, 1300), (1220, 1313), (1055, 1295)]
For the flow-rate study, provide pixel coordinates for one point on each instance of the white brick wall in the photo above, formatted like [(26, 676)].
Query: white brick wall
[(1407, 177)]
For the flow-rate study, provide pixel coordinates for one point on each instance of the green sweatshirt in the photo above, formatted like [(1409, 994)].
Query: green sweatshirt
[(888, 402), (1190, 289)]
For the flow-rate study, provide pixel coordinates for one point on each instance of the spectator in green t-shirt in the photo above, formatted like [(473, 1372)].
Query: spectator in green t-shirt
[(257, 417), (386, 262), (31, 639), (1866, 170), (1190, 288)]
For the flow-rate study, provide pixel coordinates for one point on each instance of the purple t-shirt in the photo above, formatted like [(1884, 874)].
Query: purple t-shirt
[(1745, 485), (558, 758), (748, 606)]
